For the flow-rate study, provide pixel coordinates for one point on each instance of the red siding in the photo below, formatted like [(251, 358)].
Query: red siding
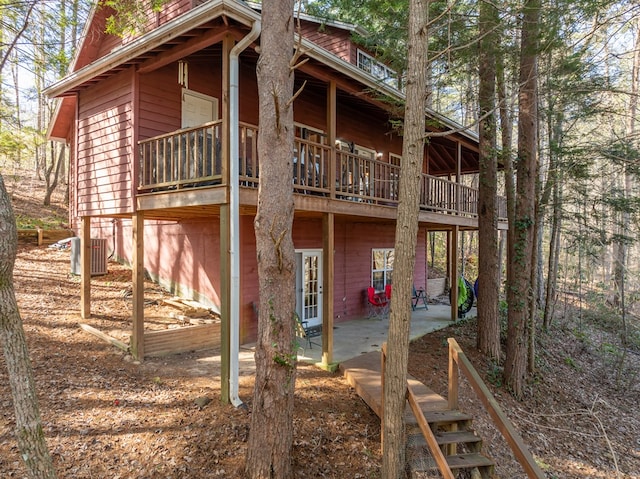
[(185, 257), (160, 106), (170, 10), (333, 39), (173, 9), (248, 91), (104, 148), (366, 128), (310, 107), (159, 102)]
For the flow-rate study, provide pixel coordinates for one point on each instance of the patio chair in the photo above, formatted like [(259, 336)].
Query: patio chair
[(419, 295), (306, 332), (378, 304)]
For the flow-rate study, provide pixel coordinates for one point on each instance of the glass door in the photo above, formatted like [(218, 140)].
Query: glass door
[(309, 286)]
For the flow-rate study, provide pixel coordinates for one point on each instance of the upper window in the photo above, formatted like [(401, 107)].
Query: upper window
[(377, 69), (381, 268), (198, 108), (357, 149), (306, 132)]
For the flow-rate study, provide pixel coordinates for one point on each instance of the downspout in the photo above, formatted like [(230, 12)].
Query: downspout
[(234, 208)]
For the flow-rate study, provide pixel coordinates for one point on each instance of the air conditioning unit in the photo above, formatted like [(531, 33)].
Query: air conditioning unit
[(99, 256)]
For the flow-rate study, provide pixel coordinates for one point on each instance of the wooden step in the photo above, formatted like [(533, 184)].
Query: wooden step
[(457, 437), (416, 439), (438, 418), (469, 461)]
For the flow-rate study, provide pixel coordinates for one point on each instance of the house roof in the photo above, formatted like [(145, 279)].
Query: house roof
[(321, 21), (86, 70)]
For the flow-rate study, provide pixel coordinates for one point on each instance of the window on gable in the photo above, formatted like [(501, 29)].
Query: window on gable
[(377, 69), (381, 268)]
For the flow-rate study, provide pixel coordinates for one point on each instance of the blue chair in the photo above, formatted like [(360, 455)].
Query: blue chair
[(419, 295)]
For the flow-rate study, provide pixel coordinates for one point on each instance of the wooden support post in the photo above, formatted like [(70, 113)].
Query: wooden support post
[(225, 302), (383, 366), (225, 229), (453, 394), (328, 258), (85, 267), (453, 268), (453, 380), (227, 45), (137, 263)]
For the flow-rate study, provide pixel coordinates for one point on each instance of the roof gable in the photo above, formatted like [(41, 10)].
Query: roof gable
[(101, 54)]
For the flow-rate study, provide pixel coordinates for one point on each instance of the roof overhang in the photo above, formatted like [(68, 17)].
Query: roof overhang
[(200, 15), (245, 15)]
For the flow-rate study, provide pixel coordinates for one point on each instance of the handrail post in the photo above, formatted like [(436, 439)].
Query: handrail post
[(453, 379), (383, 358), (500, 419), (453, 392)]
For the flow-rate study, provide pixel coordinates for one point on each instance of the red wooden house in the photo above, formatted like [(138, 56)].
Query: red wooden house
[(162, 129)]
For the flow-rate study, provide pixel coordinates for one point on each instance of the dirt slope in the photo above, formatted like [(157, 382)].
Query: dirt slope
[(107, 417)]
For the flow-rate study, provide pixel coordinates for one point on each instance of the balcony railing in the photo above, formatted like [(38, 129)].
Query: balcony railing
[(187, 157), (192, 157)]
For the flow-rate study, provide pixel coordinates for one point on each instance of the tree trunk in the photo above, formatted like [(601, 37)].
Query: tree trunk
[(522, 249), (506, 129), (271, 435), (30, 436), (488, 320), (52, 182), (553, 195), (395, 374), (622, 260), (554, 258)]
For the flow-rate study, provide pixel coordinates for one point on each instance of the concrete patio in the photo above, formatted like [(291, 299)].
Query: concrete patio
[(361, 336)]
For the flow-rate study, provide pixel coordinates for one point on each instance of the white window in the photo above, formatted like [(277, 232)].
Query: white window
[(357, 150), (198, 108), (310, 133), (377, 69), (381, 268)]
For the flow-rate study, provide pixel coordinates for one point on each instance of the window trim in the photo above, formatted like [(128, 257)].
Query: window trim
[(386, 277), (389, 75)]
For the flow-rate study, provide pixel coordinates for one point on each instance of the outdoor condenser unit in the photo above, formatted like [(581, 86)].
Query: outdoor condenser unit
[(99, 256)]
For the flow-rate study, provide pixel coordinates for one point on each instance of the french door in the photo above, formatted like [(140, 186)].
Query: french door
[(309, 286)]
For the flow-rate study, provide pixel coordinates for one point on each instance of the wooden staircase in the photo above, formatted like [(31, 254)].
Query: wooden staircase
[(458, 442), (440, 438)]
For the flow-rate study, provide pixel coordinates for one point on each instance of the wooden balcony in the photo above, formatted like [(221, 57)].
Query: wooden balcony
[(192, 158)]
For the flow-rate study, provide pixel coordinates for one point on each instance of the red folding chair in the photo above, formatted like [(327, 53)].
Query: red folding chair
[(378, 304)]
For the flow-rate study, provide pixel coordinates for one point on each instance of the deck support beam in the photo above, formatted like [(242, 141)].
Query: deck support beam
[(85, 267), (328, 258), (225, 303), (453, 269), (137, 263), (225, 229)]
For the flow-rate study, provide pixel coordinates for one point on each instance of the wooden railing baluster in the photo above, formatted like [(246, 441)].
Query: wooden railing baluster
[(192, 157)]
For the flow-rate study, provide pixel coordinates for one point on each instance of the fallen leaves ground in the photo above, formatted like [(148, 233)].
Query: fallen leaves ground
[(107, 417), (577, 422)]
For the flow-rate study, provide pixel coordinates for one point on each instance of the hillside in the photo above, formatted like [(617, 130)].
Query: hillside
[(106, 416)]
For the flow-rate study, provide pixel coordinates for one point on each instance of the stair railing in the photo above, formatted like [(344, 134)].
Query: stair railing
[(458, 358), (426, 430)]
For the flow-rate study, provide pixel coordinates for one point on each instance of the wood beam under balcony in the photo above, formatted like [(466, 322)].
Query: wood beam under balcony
[(188, 197), (193, 45)]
